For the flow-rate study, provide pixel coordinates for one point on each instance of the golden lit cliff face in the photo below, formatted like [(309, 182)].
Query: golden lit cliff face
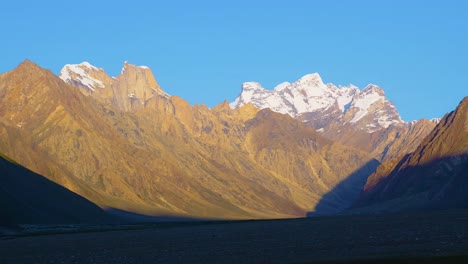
[(159, 155)]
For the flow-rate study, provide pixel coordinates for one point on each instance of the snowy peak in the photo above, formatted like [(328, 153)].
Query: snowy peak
[(131, 89), (368, 96), (82, 75), (253, 92), (311, 80), (310, 85), (344, 95), (88, 65), (372, 88), (366, 109), (435, 120), (372, 109), (280, 87), (252, 87)]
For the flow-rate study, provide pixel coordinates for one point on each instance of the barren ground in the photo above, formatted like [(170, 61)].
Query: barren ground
[(440, 237)]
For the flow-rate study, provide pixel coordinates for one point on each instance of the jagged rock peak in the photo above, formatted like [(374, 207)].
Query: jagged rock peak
[(128, 66), (372, 88), (224, 106), (252, 86), (28, 65), (28, 70), (141, 74)]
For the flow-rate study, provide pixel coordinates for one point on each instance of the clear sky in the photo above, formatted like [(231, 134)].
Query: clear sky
[(417, 50)]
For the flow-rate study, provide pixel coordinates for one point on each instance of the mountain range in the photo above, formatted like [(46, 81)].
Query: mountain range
[(123, 143), (364, 119)]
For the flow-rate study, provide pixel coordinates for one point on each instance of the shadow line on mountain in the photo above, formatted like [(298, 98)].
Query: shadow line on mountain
[(128, 217), (29, 198), (346, 192), (434, 185)]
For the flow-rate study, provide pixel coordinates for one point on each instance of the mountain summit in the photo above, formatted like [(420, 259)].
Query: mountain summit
[(309, 97), (364, 119), (131, 89)]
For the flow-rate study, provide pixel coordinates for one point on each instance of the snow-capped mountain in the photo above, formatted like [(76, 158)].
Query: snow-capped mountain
[(310, 100), (122, 142), (363, 119), (131, 89)]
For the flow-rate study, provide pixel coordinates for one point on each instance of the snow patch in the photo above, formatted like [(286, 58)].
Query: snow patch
[(72, 73), (363, 103), (435, 120)]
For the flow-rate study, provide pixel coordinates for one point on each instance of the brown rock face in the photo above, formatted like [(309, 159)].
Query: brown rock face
[(385, 144), (134, 86), (434, 175), (159, 155)]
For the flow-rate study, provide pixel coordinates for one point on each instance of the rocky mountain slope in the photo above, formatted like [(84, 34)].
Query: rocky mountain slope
[(364, 119), (435, 175), (123, 143)]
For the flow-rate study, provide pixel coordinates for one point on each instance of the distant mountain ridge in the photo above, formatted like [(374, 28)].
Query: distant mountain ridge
[(364, 119), (309, 95)]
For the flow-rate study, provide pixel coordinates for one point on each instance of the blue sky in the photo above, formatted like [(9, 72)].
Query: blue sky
[(203, 50)]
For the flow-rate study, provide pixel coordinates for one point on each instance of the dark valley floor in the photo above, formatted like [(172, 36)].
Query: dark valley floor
[(430, 237)]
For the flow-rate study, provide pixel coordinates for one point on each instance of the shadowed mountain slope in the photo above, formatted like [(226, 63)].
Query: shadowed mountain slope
[(434, 175), (29, 198)]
